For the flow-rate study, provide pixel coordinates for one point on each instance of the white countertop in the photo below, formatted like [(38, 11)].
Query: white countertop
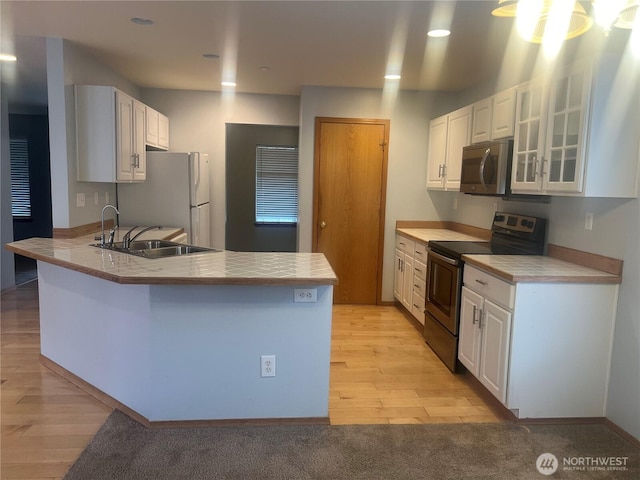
[(517, 268), (426, 234), (212, 268), (537, 268)]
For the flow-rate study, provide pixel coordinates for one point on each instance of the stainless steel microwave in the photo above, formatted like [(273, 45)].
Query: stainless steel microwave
[(486, 168)]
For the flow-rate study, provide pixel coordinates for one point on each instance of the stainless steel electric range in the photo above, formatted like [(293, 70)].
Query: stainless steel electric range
[(511, 234)]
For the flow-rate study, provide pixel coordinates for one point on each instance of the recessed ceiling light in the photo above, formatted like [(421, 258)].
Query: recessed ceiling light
[(392, 77), (211, 55), (438, 33), (264, 69), (5, 57), (228, 84), (141, 21)]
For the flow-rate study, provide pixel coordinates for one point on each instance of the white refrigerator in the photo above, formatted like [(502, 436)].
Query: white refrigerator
[(175, 194)]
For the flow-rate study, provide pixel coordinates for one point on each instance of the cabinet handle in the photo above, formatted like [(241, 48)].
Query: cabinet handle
[(484, 284), (542, 172), (416, 305), (417, 286), (418, 253), (535, 167), (444, 170), (477, 319)]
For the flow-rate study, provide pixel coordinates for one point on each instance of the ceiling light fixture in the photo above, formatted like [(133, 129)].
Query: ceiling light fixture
[(228, 84), (211, 56), (392, 76), (141, 21), (6, 57), (534, 17), (438, 33)]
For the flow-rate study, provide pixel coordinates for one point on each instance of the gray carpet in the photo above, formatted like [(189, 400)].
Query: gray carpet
[(123, 449)]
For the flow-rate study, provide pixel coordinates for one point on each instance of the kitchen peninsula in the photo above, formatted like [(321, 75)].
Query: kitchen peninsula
[(180, 339)]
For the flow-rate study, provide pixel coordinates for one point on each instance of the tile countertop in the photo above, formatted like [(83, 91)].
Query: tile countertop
[(426, 234), (211, 268), (517, 268), (536, 269)]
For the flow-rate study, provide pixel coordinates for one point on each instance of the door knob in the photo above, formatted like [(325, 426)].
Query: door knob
[(323, 224)]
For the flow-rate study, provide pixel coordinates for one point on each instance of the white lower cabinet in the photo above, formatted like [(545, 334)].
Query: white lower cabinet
[(543, 349), (410, 275), (483, 347)]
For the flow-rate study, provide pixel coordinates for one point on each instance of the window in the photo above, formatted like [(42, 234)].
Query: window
[(276, 184), (20, 189)]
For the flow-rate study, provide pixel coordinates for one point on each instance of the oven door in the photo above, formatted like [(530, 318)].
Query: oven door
[(444, 279)]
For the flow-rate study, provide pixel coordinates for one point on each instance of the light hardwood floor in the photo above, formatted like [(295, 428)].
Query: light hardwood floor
[(381, 372)]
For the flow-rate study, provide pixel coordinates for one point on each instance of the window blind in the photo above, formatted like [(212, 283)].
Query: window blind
[(20, 188), (276, 184)]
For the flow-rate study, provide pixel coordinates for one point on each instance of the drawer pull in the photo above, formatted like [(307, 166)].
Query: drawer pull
[(481, 282), (418, 252), (416, 305)]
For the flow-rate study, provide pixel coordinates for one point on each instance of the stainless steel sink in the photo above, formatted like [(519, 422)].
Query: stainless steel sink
[(173, 251), (156, 248)]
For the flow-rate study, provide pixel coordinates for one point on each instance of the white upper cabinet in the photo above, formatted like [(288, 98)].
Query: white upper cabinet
[(503, 114), (152, 127), (110, 135), (578, 134), (528, 145), (437, 154), (163, 131), (482, 114), (157, 130), (566, 130), (493, 117), (447, 136)]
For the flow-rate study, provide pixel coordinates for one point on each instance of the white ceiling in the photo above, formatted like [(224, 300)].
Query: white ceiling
[(314, 42)]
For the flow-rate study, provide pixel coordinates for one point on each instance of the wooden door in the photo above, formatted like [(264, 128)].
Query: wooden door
[(349, 201)]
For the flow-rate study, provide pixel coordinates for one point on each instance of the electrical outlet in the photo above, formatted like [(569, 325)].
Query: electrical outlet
[(305, 295), (96, 198), (268, 366), (455, 203), (588, 221), (80, 200), (106, 197)]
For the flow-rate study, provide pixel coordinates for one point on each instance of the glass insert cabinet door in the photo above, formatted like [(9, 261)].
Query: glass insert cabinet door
[(529, 137), (565, 142)]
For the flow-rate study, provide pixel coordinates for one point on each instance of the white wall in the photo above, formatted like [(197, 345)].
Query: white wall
[(407, 197), (7, 270), (197, 123), (69, 64)]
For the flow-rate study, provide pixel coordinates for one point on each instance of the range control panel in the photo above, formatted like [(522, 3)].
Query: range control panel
[(516, 223)]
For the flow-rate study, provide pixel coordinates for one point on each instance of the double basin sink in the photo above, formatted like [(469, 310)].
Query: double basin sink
[(155, 248)]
